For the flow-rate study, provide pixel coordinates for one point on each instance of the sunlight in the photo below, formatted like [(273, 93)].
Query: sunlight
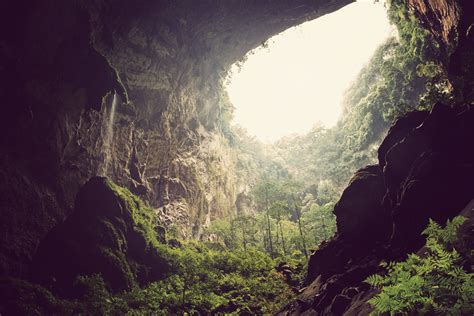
[(299, 80)]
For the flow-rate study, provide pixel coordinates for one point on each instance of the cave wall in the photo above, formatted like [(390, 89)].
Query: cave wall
[(452, 25), (60, 64)]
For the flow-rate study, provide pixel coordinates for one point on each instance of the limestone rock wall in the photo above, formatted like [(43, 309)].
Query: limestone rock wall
[(61, 62)]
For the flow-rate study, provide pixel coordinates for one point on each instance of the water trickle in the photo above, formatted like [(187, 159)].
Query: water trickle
[(109, 134)]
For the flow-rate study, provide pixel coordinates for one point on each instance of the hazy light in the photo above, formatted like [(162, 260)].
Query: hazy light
[(300, 78)]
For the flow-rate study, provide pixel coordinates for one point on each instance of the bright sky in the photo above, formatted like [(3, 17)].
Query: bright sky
[(300, 79)]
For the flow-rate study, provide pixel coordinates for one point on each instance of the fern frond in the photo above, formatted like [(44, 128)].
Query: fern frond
[(434, 284)]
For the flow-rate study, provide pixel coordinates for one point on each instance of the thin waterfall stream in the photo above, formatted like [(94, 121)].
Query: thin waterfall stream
[(109, 134)]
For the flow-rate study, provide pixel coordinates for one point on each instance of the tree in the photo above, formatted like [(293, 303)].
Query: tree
[(297, 211)]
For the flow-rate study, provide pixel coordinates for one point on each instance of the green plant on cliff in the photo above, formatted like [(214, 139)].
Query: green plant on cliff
[(405, 73), (435, 282), (200, 278), (143, 216), (94, 296)]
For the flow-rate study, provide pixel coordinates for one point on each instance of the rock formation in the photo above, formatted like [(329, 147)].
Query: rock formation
[(425, 167), (109, 232), (61, 63)]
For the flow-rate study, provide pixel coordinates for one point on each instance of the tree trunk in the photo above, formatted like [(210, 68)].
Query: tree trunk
[(268, 221), (298, 215), (281, 232)]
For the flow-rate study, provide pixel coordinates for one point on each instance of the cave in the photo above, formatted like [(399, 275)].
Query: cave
[(112, 145)]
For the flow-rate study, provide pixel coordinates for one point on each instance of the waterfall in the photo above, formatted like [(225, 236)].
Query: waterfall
[(109, 135)]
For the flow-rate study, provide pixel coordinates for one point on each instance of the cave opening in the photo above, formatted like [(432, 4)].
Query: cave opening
[(126, 188), (297, 79)]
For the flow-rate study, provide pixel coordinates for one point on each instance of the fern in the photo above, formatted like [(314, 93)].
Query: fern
[(433, 284)]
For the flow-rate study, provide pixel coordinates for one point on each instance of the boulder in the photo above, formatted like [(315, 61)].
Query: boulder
[(106, 235), (428, 173), (436, 188), (403, 126), (359, 212)]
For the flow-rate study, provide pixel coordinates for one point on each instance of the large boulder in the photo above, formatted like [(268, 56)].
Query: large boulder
[(337, 269), (110, 232), (435, 181), (361, 221), (359, 212), (403, 126)]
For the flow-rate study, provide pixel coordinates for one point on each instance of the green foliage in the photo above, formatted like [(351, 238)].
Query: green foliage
[(20, 297), (204, 281), (405, 73), (95, 298), (319, 221), (203, 278), (286, 220), (144, 217), (433, 283)]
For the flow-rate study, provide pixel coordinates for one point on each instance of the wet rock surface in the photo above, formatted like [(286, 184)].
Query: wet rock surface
[(437, 184), (360, 216)]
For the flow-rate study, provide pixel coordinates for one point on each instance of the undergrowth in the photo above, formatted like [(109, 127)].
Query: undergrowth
[(435, 282)]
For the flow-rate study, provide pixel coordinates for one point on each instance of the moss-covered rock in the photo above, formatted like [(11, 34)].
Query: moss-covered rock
[(111, 232), (19, 297)]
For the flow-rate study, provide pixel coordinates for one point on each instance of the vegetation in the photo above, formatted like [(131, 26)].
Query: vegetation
[(435, 282), (291, 187), (204, 281), (204, 277), (285, 221), (145, 220), (404, 74), (200, 278), (209, 281)]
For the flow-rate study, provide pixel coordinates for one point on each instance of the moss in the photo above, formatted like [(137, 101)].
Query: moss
[(147, 258), (118, 269), (109, 235), (112, 233), (144, 217)]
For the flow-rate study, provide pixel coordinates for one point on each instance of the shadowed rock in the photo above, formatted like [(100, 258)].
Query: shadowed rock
[(102, 236), (428, 167)]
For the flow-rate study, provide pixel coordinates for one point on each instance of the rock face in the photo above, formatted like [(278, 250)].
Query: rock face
[(425, 169), (109, 233), (451, 22), (437, 183), (60, 64)]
